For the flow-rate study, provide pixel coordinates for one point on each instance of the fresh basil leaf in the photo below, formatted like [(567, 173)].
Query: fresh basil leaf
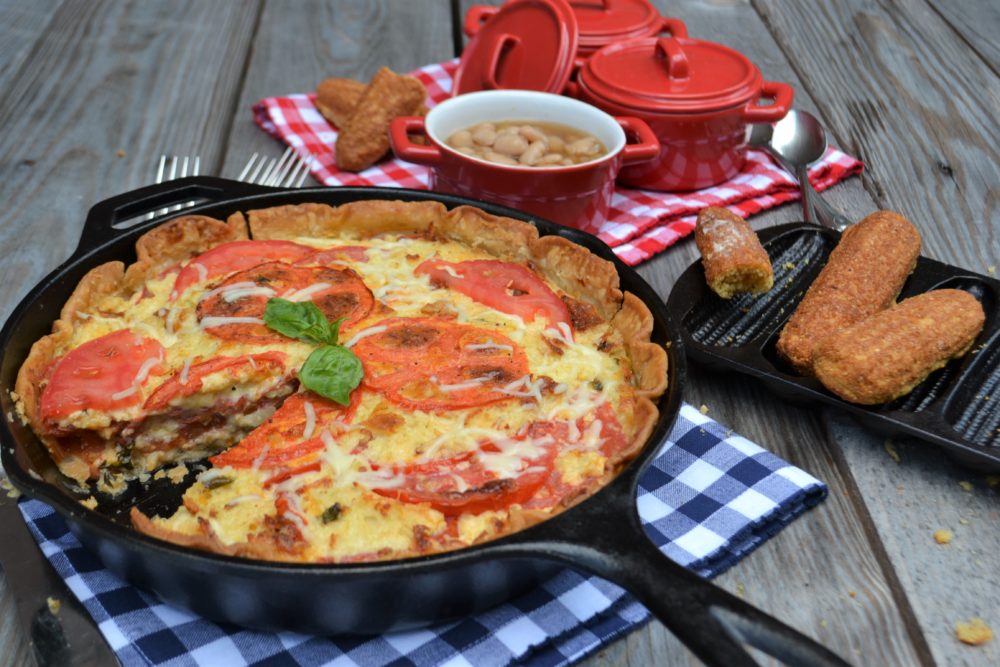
[(333, 372), (302, 320)]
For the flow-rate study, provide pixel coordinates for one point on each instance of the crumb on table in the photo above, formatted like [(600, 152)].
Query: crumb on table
[(703, 409), (966, 486), (891, 450), (943, 536), (974, 633), (54, 604)]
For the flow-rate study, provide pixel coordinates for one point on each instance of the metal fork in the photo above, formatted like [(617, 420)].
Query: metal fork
[(288, 171), (162, 174)]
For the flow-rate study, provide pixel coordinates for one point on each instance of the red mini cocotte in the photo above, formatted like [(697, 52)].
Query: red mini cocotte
[(699, 97), (576, 195)]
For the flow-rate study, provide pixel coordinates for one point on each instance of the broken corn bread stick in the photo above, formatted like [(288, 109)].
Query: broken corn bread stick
[(888, 354), (337, 98), (862, 276), (731, 254), (364, 137)]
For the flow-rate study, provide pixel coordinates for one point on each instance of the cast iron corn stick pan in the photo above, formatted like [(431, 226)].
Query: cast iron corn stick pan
[(602, 535), (956, 408)]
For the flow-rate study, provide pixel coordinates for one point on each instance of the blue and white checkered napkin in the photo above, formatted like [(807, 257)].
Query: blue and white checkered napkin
[(709, 498)]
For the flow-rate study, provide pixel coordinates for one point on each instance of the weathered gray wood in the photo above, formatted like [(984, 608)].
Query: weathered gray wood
[(977, 22), (903, 90), (20, 26), (347, 39), (14, 648), (108, 77)]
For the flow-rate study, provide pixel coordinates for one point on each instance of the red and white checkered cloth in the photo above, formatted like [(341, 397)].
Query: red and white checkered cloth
[(641, 223)]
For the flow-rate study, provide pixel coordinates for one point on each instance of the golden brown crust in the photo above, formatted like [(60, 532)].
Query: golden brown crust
[(504, 238), (888, 354), (649, 363), (364, 137), (862, 276), (733, 258), (97, 284), (179, 240), (368, 217), (579, 272)]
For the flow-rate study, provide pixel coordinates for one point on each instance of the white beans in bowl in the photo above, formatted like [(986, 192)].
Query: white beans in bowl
[(527, 144)]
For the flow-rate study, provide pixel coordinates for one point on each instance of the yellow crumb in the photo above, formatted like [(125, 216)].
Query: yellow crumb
[(822, 623), (966, 486), (892, 451), (54, 604), (975, 632), (991, 268), (703, 409), (964, 522), (789, 265), (741, 590), (177, 473), (90, 503), (9, 488), (853, 594), (120, 152), (943, 536)]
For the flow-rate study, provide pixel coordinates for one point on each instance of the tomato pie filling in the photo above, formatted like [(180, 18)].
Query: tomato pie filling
[(487, 396)]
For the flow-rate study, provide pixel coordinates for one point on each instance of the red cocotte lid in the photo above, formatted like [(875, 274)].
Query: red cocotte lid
[(527, 44), (671, 75), (606, 21)]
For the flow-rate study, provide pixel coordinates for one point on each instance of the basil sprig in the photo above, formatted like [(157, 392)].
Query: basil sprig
[(301, 319), (332, 370)]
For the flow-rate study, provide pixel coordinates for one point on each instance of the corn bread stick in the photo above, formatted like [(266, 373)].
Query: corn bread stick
[(337, 98), (888, 354), (731, 253), (862, 276), (364, 137)]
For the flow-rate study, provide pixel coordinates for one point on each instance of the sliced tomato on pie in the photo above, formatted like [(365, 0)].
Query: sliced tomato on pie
[(235, 256), (230, 309), (471, 482), (101, 374), (290, 434), (263, 365), (505, 286), (434, 364)]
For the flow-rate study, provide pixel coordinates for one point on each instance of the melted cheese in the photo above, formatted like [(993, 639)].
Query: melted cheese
[(361, 467)]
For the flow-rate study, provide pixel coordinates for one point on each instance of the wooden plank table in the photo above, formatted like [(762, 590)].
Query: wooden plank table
[(95, 90)]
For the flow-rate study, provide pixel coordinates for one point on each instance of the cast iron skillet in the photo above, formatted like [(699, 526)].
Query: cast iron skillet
[(602, 535)]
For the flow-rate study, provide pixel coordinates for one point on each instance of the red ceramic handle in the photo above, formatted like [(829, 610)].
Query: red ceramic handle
[(673, 54), (781, 93), (504, 43), (603, 4), (476, 17), (399, 136), (675, 27), (648, 146)]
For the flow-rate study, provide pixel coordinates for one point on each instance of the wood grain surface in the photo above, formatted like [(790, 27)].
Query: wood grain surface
[(94, 91)]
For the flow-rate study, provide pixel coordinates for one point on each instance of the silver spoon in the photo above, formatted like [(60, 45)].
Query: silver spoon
[(796, 141)]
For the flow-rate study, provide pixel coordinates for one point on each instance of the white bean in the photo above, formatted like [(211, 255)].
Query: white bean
[(460, 139), (499, 158), (510, 144), (534, 153), (484, 134), (583, 147)]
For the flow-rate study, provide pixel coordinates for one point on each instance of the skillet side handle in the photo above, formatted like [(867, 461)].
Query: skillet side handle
[(106, 219), (713, 624)]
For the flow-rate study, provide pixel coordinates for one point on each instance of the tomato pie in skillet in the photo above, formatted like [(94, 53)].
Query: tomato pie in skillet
[(372, 381)]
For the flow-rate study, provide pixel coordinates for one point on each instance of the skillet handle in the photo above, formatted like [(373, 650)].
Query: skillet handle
[(713, 624), (106, 219)]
